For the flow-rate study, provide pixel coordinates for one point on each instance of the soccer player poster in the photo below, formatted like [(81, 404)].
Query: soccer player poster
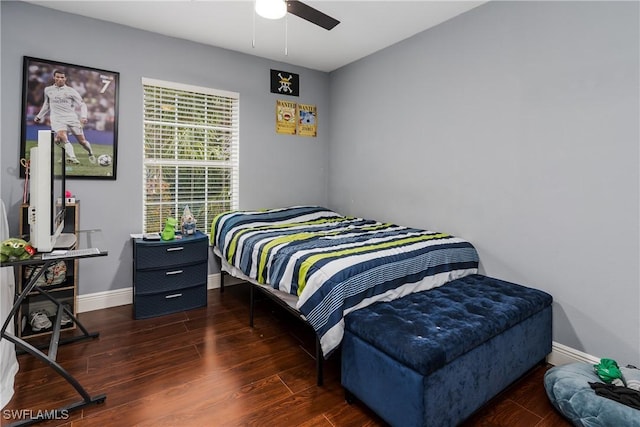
[(80, 106)]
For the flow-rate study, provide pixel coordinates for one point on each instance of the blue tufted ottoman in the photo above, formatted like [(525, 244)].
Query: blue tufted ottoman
[(433, 358), (568, 389)]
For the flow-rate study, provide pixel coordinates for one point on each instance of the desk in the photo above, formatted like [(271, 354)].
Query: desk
[(86, 239)]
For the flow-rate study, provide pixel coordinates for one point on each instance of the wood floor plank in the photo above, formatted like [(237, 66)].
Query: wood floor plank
[(296, 409), (193, 403), (208, 367), (503, 413), (530, 395), (319, 421), (554, 419), (353, 415)]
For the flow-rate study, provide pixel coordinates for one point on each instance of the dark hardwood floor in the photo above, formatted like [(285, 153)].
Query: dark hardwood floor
[(208, 367)]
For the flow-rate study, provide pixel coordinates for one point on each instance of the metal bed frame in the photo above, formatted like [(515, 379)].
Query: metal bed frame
[(280, 302)]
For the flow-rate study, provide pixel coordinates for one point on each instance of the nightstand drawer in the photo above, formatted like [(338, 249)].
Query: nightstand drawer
[(163, 254), (167, 279), (169, 302)]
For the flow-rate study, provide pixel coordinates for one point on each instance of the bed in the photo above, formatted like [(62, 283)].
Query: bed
[(324, 265)]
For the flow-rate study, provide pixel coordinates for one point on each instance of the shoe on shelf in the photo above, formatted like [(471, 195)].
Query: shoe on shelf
[(66, 319), (39, 320), (73, 161), (92, 159)]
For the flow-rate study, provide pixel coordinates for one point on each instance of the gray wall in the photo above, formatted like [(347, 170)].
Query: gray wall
[(515, 125), (268, 177)]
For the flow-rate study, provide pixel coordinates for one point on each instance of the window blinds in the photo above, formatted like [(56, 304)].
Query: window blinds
[(190, 153)]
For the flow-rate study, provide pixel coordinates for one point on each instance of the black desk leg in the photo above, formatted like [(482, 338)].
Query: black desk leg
[(85, 333), (86, 398), (50, 359)]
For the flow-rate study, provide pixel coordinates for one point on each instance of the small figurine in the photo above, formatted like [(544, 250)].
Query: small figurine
[(188, 222), (15, 249), (169, 232)]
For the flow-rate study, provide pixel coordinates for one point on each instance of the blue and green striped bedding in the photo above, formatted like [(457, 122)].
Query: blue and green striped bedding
[(337, 264)]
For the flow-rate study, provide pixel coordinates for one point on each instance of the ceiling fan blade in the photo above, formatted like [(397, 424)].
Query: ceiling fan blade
[(311, 14)]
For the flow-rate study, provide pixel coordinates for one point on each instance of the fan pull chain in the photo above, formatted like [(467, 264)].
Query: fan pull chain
[(253, 30), (286, 35)]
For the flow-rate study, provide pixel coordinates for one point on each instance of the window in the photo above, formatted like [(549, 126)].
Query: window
[(190, 153)]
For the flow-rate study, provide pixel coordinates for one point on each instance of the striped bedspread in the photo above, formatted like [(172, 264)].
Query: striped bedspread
[(337, 264)]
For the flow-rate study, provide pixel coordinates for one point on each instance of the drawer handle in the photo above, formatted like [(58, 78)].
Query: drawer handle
[(169, 273), (173, 296), (179, 248)]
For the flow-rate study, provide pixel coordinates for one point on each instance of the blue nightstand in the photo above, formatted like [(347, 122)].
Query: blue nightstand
[(169, 276)]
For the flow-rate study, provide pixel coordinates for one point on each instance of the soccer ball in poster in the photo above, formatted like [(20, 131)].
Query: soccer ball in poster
[(104, 160)]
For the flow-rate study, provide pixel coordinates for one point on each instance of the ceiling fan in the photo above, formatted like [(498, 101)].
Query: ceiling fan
[(276, 9)]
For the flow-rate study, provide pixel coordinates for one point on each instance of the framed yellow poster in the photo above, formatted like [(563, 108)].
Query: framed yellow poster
[(285, 117), (307, 120)]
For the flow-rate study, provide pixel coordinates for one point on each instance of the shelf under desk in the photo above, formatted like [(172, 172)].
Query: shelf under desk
[(86, 239)]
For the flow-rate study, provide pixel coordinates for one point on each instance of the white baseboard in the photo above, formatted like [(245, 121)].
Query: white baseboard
[(560, 354), (213, 281), (106, 299)]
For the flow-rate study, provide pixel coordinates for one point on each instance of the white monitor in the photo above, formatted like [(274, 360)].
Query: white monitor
[(47, 195)]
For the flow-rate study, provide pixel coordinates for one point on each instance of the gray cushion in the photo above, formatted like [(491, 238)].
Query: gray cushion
[(568, 389)]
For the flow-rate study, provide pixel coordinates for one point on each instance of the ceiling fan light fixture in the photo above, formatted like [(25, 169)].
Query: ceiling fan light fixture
[(271, 9)]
